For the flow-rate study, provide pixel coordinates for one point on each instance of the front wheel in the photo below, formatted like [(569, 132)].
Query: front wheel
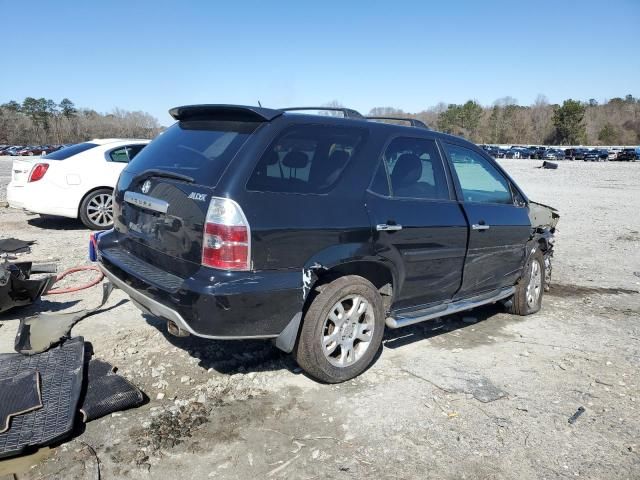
[(96, 209), (342, 330), (530, 288)]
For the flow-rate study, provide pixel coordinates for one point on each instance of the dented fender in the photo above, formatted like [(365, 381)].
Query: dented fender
[(544, 220)]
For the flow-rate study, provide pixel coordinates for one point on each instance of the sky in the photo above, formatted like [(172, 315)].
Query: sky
[(154, 55)]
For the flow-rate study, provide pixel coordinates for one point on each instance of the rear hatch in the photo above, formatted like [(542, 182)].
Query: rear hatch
[(162, 197)]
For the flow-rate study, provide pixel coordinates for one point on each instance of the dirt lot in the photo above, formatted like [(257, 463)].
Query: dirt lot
[(480, 395)]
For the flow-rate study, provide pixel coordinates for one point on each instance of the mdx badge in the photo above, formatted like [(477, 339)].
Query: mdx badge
[(200, 197), (146, 186)]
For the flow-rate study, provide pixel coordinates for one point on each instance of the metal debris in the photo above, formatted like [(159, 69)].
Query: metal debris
[(576, 415)]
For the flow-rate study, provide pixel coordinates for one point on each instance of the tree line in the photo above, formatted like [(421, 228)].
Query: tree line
[(42, 121), (614, 122)]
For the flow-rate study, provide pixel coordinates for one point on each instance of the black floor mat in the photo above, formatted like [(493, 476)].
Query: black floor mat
[(13, 245), (107, 392), (18, 395), (61, 371)]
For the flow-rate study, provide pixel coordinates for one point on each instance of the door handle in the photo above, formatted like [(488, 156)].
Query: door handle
[(480, 227), (384, 227)]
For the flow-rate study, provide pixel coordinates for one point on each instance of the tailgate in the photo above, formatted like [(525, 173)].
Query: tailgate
[(167, 218)]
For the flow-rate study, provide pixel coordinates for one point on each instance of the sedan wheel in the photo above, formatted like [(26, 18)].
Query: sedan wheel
[(96, 211)]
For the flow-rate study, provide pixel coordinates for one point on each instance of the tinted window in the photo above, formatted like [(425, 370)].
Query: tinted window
[(479, 179), (125, 154), (306, 159), (415, 170), (200, 149), (67, 152)]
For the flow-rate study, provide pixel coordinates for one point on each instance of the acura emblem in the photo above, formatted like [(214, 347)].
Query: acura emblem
[(146, 186)]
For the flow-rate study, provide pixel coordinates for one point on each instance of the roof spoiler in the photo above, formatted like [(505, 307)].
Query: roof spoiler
[(238, 113), (347, 112), (413, 121)]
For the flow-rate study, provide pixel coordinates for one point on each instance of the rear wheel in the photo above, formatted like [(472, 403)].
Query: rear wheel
[(96, 209), (342, 330), (530, 288)]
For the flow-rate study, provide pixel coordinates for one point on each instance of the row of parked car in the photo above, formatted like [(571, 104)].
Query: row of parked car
[(30, 150), (550, 153)]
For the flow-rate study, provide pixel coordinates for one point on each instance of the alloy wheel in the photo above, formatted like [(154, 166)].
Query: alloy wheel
[(100, 210), (534, 287), (347, 331)]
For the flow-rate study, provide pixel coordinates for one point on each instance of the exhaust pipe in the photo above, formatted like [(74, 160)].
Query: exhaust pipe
[(175, 330)]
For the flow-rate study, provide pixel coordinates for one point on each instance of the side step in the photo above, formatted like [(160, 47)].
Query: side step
[(436, 311)]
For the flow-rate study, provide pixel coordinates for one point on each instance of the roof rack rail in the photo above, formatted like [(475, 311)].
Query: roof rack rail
[(347, 112), (413, 121)]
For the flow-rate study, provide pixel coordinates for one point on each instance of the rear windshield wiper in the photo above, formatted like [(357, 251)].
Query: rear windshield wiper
[(155, 172)]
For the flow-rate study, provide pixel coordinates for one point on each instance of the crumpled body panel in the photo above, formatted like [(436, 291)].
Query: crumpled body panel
[(16, 286)]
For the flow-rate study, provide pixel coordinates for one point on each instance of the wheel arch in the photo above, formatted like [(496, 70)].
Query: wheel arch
[(315, 274), (378, 273)]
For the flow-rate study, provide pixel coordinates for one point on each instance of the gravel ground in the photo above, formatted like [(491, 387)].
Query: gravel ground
[(480, 395)]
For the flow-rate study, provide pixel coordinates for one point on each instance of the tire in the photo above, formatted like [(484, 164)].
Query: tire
[(532, 282), (92, 215), (333, 363)]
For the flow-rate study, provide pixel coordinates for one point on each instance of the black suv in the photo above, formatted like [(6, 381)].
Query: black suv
[(629, 154), (318, 231), (596, 155)]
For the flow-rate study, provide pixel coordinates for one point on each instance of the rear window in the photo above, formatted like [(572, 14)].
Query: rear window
[(67, 152), (200, 149), (306, 159)]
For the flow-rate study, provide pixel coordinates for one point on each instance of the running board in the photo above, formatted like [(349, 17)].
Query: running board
[(447, 309)]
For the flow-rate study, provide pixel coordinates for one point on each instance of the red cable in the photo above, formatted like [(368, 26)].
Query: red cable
[(93, 282)]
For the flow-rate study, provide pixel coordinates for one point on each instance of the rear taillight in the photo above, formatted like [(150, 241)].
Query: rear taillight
[(227, 238), (38, 171)]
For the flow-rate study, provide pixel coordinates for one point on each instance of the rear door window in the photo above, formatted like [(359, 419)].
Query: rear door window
[(67, 152), (125, 154), (414, 169), (480, 181), (200, 149), (306, 159)]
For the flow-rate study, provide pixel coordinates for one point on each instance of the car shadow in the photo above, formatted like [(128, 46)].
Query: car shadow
[(234, 356), (229, 356), (432, 328), (56, 223)]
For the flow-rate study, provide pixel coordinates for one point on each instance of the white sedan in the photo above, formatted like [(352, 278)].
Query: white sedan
[(74, 182)]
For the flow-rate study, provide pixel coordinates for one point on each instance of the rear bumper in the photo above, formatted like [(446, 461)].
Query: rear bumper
[(44, 199), (211, 304)]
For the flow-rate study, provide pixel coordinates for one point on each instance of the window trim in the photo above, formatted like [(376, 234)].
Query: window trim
[(107, 153), (458, 187), (443, 160), (365, 133)]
